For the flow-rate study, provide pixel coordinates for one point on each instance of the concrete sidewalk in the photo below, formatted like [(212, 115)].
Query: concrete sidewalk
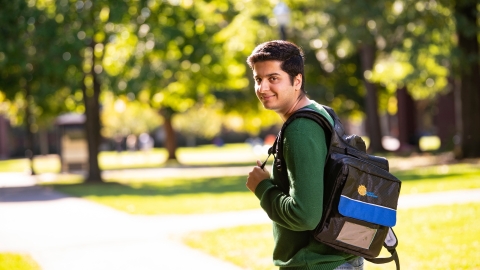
[(66, 233)]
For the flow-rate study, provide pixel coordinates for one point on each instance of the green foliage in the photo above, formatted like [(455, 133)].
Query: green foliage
[(252, 24), (182, 55), (33, 59), (425, 43), (199, 121), (192, 49), (122, 116), (177, 57), (414, 41), (332, 70)]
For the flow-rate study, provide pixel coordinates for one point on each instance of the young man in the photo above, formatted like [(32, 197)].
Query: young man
[(293, 197)]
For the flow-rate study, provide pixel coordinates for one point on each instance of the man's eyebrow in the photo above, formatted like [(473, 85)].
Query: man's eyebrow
[(269, 75)]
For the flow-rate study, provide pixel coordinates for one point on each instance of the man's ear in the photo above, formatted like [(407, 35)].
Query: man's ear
[(297, 81)]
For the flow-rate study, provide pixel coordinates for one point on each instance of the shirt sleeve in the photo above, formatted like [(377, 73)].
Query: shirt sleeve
[(305, 151)]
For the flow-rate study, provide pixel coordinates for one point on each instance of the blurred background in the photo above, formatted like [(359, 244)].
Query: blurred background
[(92, 91), (97, 76)]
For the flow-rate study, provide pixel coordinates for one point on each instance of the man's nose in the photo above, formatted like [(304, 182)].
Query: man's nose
[(263, 85)]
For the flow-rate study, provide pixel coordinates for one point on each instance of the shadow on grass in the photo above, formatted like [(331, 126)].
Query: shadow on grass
[(418, 175), (163, 188), (176, 165), (29, 194)]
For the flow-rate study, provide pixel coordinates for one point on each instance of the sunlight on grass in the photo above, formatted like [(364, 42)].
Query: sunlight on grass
[(178, 204), (425, 234), (206, 155), (229, 153), (247, 246), (172, 196), (208, 195), (59, 178), (10, 261), (132, 159), (15, 165), (439, 178), (429, 143), (437, 237)]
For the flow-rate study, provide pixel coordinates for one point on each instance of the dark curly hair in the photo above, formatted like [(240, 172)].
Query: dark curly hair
[(291, 56)]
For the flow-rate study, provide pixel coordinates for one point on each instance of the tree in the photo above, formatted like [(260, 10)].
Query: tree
[(439, 42), (173, 41), (332, 67), (466, 17), (343, 29), (92, 27), (188, 53), (253, 23), (400, 44), (26, 74), (168, 58), (414, 64)]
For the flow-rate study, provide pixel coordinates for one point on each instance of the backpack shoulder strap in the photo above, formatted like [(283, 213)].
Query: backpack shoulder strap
[(312, 115), (277, 148), (333, 134), (336, 120)]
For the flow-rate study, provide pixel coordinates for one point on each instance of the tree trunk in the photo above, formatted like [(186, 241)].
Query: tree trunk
[(170, 138), (43, 141), (92, 126), (406, 121), (445, 118), (4, 138), (30, 140), (367, 57), (470, 79)]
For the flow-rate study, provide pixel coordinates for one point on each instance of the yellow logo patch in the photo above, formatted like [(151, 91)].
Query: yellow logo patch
[(362, 190)]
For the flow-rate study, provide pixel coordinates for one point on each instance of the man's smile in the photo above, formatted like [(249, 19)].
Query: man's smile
[(267, 97)]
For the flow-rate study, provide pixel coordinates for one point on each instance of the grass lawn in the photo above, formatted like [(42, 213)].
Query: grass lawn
[(206, 155), (439, 178), (247, 246), (208, 195), (437, 237), (12, 261), (169, 196)]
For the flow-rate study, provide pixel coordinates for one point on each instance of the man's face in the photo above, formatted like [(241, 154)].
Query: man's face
[(274, 88)]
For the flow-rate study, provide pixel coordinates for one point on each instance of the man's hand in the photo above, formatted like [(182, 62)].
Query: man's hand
[(256, 176)]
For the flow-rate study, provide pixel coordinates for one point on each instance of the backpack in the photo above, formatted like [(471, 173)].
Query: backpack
[(360, 194)]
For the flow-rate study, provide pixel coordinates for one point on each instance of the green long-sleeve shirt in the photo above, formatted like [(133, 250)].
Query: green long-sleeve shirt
[(296, 209)]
